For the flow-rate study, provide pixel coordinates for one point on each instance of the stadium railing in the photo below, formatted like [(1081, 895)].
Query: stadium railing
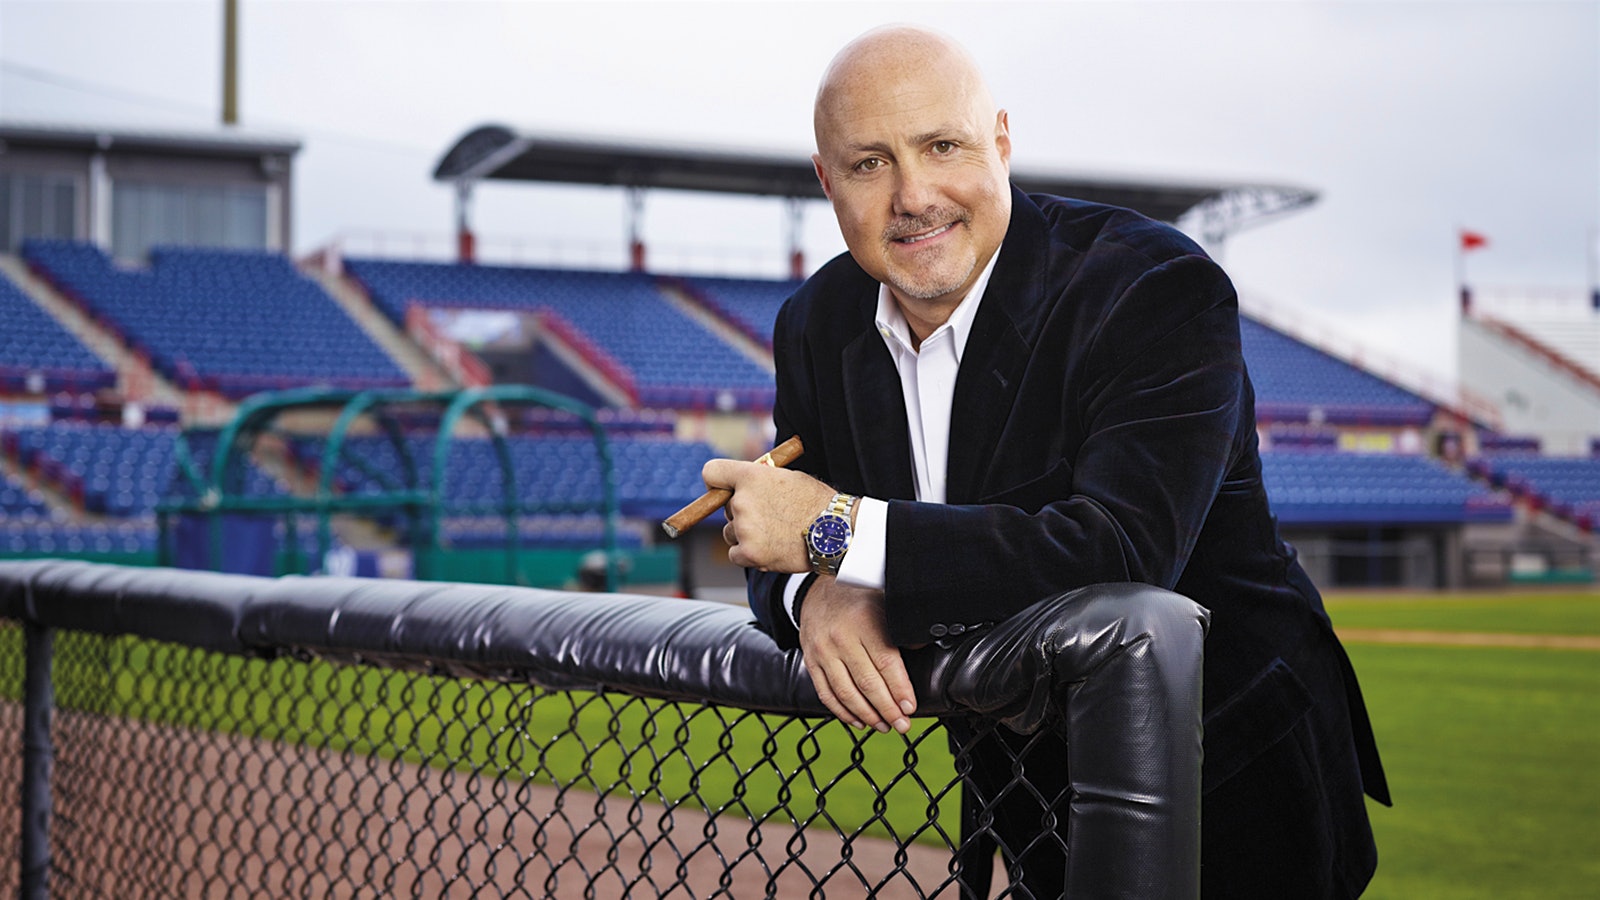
[(180, 733)]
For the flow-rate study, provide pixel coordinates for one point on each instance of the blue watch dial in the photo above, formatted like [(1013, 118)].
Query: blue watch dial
[(829, 535)]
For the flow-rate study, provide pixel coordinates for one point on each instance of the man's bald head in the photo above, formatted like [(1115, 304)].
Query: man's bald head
[(892, 54), (915, 158)]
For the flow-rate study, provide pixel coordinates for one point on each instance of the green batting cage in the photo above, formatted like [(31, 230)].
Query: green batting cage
[(429, 485)]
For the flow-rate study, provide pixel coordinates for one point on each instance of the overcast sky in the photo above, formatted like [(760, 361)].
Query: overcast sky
[(1411, 120)]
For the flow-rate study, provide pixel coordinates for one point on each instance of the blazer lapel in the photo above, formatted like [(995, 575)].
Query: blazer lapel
[(877, 411), (986, 387), (997, 353)]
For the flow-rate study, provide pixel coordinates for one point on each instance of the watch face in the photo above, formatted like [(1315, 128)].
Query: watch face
[(829, 535)]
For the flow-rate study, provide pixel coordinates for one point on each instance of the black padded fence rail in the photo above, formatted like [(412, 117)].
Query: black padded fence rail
[(168, 733)]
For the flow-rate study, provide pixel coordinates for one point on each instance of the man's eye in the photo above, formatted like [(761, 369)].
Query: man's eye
[(868, 164), (943, 147)]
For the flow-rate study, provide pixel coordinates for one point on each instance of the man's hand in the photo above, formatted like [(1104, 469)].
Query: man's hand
[(769, 513), (858, 673)]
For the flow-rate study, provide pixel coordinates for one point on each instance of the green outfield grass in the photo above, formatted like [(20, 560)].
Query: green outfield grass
[(1493, 754), (1528, 613)]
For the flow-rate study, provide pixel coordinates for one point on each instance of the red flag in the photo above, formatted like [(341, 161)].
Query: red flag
[(1472, 240)]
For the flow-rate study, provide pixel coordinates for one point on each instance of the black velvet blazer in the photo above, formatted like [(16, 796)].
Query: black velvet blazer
[(1102, 430)]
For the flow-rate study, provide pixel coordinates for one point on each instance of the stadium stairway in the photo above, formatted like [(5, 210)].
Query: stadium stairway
[(424, 373), (1561, 525), (1571, 335), (136, 380), (1572, 346), (580, 361), (691, 306), (59, 506)]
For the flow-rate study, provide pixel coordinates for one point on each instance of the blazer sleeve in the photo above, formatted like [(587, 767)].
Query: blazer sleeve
[(793, 412), (1159, 396)]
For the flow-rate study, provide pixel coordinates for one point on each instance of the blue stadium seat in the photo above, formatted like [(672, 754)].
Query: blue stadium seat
[(228, 320)]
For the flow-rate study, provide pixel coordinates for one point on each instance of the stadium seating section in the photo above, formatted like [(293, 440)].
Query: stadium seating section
[(1569, 487), (19, 502), (47, 537), (114, 471), (35, 346), (236, 322), (1296, 382), (29, 526), (545, 532), (109, 470), (1327, 487), (621, 320), (556, 473), (239, 322)]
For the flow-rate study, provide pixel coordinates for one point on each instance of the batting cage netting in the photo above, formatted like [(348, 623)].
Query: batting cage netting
[(168, 733)]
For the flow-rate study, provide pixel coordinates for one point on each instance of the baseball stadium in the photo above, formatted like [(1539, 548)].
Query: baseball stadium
[(342, 573)]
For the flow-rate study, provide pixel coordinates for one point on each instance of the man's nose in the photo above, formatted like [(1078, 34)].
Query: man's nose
[(915, 190)]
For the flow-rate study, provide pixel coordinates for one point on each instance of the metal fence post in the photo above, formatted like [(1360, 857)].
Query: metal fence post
[(38, 758)]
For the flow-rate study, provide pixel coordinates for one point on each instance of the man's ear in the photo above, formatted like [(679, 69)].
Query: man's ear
[(822, 176), (1002, 137)]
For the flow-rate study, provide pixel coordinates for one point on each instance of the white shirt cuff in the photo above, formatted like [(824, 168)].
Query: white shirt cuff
[(791, 587), (863, 562)]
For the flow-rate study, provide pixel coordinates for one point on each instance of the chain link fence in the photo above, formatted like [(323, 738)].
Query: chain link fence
[(11, 667), (536, 745)]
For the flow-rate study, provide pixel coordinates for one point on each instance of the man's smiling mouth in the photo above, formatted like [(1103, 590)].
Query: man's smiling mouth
[(914, 238)]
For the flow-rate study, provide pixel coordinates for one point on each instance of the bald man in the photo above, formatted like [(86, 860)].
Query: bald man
[(1006, 396)]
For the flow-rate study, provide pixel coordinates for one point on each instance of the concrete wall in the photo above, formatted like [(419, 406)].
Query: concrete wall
[(1535, 398)]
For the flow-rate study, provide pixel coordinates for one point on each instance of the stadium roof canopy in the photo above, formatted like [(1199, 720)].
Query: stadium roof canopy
[(218, 142), (496, 152)]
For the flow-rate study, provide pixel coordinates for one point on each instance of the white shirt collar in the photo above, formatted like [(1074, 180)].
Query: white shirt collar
[(896, 331)]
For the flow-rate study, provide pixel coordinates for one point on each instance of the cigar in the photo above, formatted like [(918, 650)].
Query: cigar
[(714, 499)]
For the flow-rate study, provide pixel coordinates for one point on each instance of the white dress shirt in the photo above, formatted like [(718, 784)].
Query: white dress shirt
[(928, 382)]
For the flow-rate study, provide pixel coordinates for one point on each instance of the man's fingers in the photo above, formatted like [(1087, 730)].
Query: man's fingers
[(892, 666), (723, 473), (831, 700), (850, 696), (875, 683), (713, 473), (858, 686)]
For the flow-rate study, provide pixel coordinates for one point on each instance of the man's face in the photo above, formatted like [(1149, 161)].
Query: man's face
[(917, 170)]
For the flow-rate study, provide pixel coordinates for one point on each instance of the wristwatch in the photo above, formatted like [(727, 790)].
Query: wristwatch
[(829, 535)]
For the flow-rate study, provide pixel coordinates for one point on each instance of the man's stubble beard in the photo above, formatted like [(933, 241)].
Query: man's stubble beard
[(913, 283), (926, 288)]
